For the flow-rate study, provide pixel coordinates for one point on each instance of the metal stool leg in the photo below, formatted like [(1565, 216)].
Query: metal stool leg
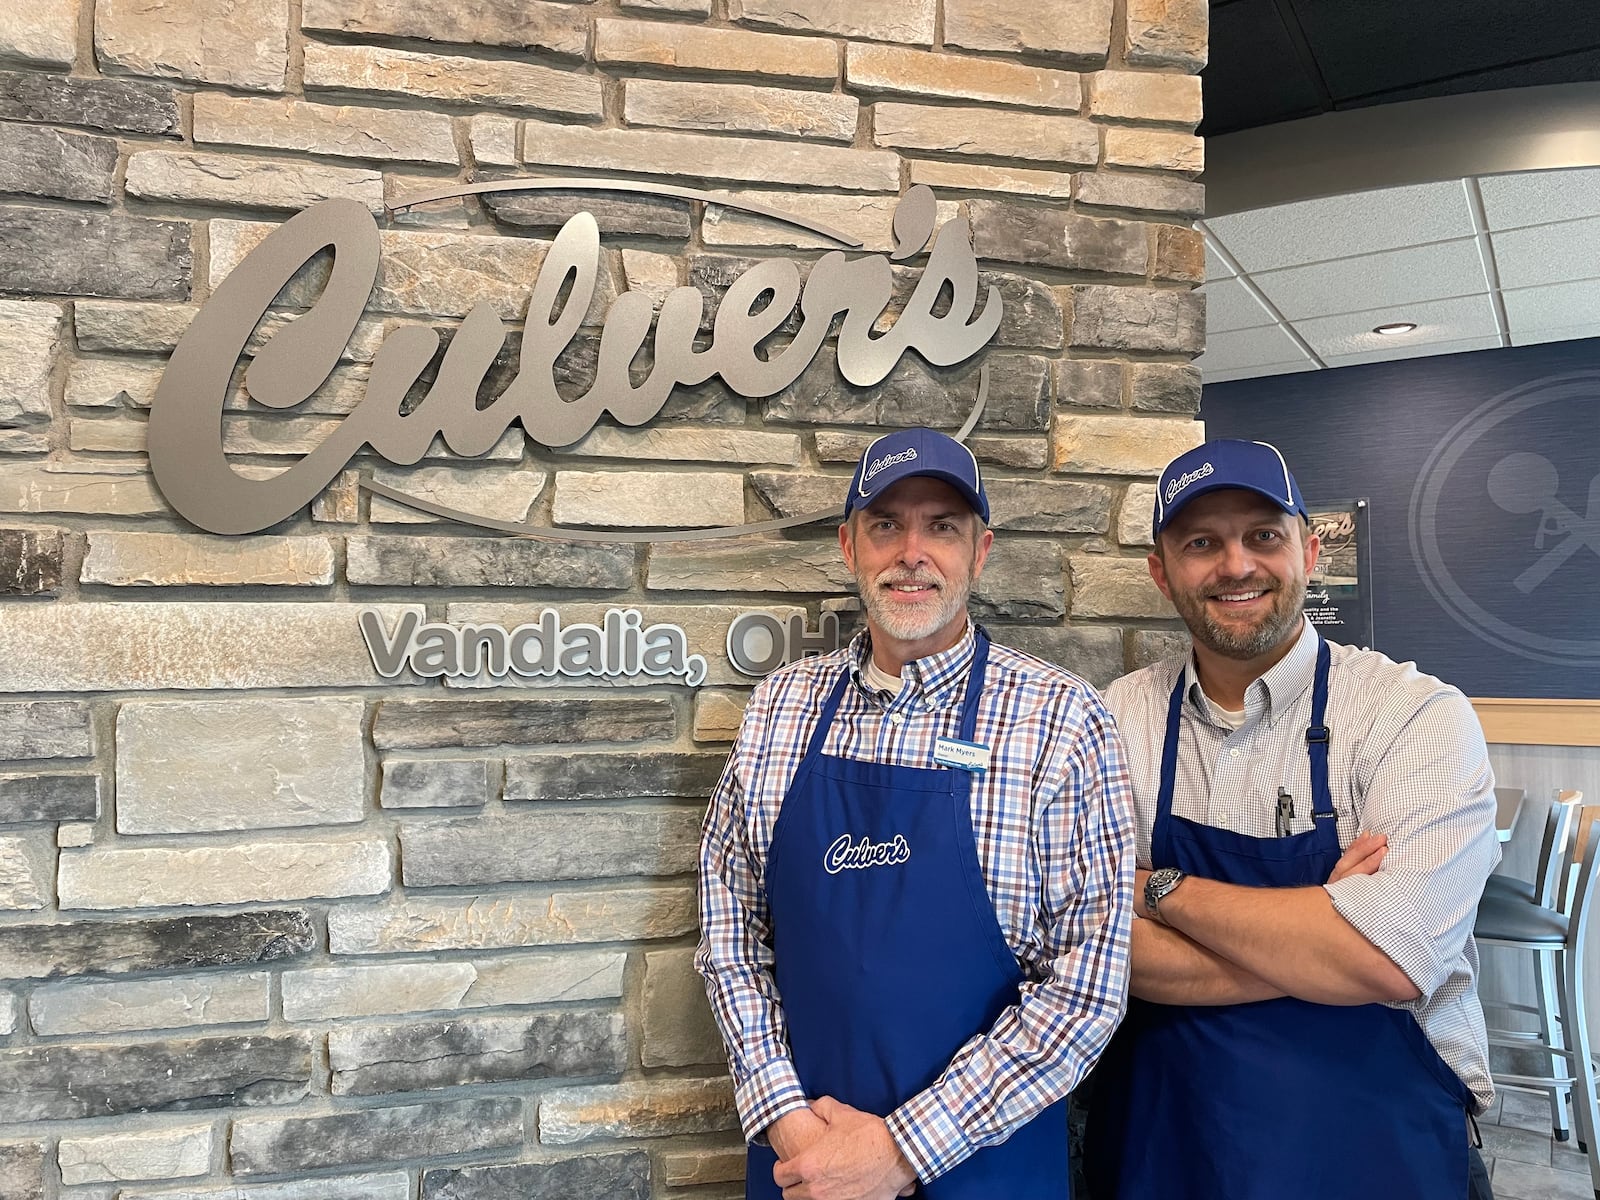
[(1586, 1109), (1547, 974)]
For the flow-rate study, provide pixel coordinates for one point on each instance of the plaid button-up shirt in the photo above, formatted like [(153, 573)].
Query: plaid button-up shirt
[(1053, 823)]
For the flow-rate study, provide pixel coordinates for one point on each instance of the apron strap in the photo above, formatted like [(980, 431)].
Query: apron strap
[(1160, 846), (1317, 737), (825, 721), (975, 676)]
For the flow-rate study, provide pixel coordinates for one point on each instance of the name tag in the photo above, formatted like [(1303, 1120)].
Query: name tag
[(964, 756)]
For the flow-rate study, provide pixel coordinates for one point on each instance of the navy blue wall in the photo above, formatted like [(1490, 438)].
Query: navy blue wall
[(1483, 471)]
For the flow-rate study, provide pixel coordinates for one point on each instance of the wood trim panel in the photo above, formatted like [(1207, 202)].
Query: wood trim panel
[(1539, 722)]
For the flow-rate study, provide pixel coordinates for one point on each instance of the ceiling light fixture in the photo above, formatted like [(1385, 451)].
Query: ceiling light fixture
[(1395, 328)]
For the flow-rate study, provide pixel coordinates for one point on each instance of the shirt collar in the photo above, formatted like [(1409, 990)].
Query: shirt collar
[(1276, 690), (936, 680)]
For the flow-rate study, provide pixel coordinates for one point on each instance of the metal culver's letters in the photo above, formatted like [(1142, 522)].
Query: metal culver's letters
[(186, 436)]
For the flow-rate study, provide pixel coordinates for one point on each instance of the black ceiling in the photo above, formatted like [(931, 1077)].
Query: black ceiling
[(1278, 60)]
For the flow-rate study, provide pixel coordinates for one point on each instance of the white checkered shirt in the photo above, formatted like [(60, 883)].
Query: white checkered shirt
[(1053, 823), (1406, 758)]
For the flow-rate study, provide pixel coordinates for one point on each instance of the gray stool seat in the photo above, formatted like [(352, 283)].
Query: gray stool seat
[(1505, 885), (1512, 919)]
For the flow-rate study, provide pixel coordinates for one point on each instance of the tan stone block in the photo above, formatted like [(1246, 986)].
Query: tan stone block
[(173, 1152), (717, 714), (906, 21), (689, 445), (219, 998), (341, 130), (897, 71), (25, 441), (690, 1168), (1180, 254), (1167, 33), (27, 865), (648, 499), (38, 488), (693, 48), (1103, 586), (197, 766), (1028, 454), (237, 43), (751, 160), (27, 357), (505, 493), (75, 833), (740, 108), (976, 177), (653, 274), (339, 502), (523, 917), (159, 645), (649, 1108), (1145, 96), (561, 29), (399, 197), (1080, 30), (123, 559), (1121, 445), (494, 140), (495, 83), (158, 877), (1135, 515), (44, 33), (225, 179), (1155, 149), (1034, 136), (700, 8), (1151, 193), (869, 219)]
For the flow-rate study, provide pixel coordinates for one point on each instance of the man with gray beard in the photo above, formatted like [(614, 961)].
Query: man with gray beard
[(1315, 824), (915, 882)]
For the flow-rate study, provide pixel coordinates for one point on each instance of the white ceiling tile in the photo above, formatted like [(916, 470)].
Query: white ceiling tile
[(1420, 350), (1216, 268), (1414, 273), (1230, 305), (1539, 197), (1437, 320), (1570, 333), (1305, 364), (1249, 348), (1556, 306), (1308, 231), (1548, 253)]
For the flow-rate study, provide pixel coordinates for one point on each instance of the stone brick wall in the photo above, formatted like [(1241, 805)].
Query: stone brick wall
[(275, 928)]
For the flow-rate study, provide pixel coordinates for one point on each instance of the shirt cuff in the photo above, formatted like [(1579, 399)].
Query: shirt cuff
[(929, 1135), (765, 1096), (1392, 923)]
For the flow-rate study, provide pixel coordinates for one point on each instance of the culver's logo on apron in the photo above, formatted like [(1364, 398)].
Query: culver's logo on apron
[(846, 854)]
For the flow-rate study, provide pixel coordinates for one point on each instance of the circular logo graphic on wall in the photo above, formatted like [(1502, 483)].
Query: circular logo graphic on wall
[(1505, 521)]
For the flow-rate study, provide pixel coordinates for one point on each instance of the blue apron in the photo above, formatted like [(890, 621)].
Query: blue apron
[(1282, 1098), (889, 957)]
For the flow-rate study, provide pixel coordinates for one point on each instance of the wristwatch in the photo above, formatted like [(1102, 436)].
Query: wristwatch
[(1162, 883)]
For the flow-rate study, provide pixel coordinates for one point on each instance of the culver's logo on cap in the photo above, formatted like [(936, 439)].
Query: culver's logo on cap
[(878, 465), (1182, 481)]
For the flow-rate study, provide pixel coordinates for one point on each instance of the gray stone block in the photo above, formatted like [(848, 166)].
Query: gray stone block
[(456, 1051), (591, 1177), (49, 797), (226, 998), (617, 213), (1153, 645), (58, 1082), (545, 845), (1153, 193), (433, 724), (477, 22), (22, 1170), (678, 1028), (27, 361), (487, 562), (31, 562), (703, 1164), (435, 783), (644, 1108), (35, 161), (386, 1185), (1088, 383), (915, 393), (1049, 236), (1109, 317), (132, 946), (113, 105), (1091, 652), (612, 776), (27, 869), (46, 729), (1045, 506), (375, 1135), (167, 1152), (1165, 387), (77, 253)]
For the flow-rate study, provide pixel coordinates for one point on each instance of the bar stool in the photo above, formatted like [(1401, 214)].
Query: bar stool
[(1556, 938)]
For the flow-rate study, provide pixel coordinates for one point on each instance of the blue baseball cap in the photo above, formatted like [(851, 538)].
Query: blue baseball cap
[(1226, 463), (907, 453)]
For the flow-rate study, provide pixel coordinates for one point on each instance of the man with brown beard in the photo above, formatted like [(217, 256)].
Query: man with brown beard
[(916, 875), (1315, 824)]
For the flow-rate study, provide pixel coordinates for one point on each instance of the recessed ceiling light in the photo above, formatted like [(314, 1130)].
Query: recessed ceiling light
[(1395, 328)]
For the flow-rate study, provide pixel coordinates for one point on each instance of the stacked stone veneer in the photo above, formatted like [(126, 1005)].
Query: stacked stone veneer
[(272, 928)]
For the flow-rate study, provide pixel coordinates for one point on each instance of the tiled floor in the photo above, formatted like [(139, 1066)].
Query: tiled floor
[(1525, 1162)]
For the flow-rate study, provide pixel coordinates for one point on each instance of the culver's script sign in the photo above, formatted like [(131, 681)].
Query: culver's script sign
[(186, 420)]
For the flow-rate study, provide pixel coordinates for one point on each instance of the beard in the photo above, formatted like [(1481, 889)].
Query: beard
[(1239, 641), (946, 599)]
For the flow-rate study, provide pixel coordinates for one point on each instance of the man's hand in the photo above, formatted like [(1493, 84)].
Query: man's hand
[(1364, 857), (795, 1131), (855, 1159)]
